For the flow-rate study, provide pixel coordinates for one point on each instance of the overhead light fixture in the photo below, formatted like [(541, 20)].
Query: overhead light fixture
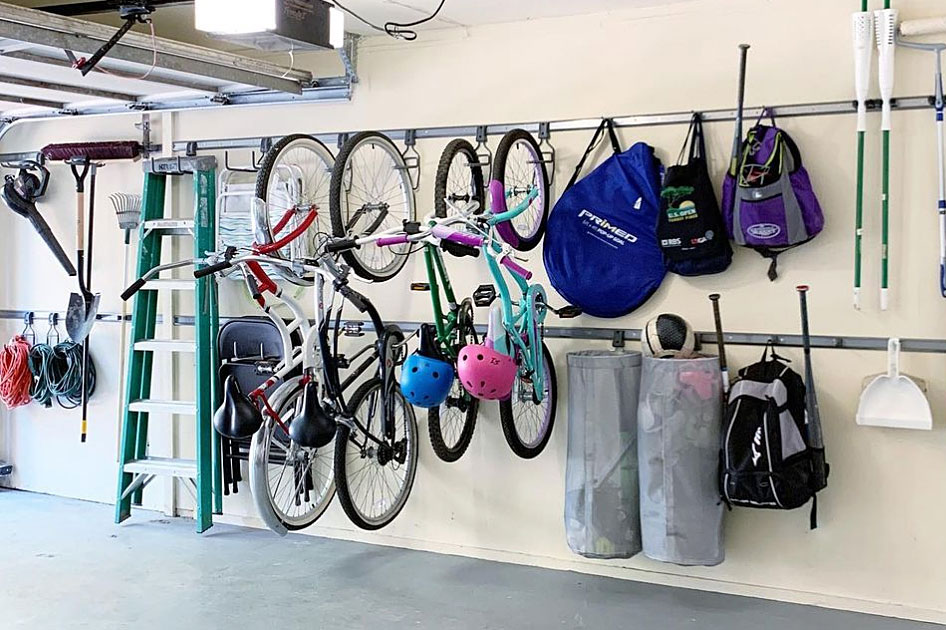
[(274, 25)]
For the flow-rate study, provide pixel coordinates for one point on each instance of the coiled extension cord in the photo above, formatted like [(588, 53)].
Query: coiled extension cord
[(57, 373)]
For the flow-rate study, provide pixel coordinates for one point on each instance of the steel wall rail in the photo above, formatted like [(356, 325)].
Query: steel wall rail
[(830, 108), (707, 338)]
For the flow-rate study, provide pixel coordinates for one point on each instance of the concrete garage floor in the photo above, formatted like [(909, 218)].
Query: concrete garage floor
[(66, 566)]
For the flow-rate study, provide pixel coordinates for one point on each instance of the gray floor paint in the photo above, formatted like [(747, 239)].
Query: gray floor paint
[(64, 565)]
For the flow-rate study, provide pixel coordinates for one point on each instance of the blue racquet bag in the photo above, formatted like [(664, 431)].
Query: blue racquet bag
[(601, 251)]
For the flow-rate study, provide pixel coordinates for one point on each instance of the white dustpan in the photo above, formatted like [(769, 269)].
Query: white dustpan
[(894, 399)]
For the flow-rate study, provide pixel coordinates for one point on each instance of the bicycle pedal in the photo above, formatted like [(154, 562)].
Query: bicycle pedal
[(420, 286), (266, 368), (484, 295), (353, 329), (569, 312)]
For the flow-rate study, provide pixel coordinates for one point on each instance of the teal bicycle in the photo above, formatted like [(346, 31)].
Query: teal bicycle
[(514, 365)]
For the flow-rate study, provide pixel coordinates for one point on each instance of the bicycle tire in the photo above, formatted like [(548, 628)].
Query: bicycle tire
[(443, 183), (466, 334), (508, 420), (355, 257), (342, 440), (262, 221), (260, 453), (510, 232)]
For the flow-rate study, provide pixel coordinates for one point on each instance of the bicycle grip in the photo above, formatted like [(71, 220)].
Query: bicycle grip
[(212, 269), (386, 241), (459, 250), (341, 245), (133, 288), (463, 238), (516, 268)]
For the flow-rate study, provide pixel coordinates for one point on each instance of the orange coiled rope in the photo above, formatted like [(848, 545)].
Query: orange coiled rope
[(15, 375)]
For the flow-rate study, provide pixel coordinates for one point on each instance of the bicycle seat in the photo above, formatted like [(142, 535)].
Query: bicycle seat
[(312, 428), (237, 417)]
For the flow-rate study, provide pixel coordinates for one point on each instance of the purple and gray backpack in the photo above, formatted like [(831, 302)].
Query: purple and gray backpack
[(772, 207)]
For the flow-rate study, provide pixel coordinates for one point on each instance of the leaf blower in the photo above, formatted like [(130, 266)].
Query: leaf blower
[(20, 194)]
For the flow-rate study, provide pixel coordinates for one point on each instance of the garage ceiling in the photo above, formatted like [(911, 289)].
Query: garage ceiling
[(23, 64), (454, 13)]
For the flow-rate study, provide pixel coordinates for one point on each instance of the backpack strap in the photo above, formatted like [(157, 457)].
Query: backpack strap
[(698, 146), (606, 123), (694, 139)]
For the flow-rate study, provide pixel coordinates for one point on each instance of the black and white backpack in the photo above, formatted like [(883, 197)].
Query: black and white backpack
[(767, 460)]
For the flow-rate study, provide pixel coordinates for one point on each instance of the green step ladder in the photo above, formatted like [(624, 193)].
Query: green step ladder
[(137, 468)]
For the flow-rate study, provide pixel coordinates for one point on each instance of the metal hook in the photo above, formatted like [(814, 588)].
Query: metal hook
[(53, 330), (411, 157), (546, 150), (484, 155), (242, 169), (28, 333)]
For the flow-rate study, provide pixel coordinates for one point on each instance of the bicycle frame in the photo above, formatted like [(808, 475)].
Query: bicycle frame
[(316, 349), (524, 318), (445, 323)]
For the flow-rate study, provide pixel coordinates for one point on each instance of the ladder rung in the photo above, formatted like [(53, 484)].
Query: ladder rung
[(164, 406), (170, 284), (165, 345), (164, 466), (171, 227)]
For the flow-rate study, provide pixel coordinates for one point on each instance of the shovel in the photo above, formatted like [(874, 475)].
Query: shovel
[(893, 399), (83, 306)]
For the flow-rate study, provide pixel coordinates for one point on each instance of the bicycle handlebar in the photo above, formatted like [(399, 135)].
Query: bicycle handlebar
[(472, 240)]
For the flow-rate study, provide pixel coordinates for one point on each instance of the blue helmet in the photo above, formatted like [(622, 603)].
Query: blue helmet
[(426, 378), (426, 382)]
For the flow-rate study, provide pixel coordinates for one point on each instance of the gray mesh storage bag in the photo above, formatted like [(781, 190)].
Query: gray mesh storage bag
[(601, 489), (679, 423)]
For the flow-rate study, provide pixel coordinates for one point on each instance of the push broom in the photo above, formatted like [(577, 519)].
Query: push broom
[(83, 306), (885, 27), (915, 28), (863, 31)]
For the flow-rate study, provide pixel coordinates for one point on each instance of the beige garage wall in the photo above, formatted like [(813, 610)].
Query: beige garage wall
[(881, 545)]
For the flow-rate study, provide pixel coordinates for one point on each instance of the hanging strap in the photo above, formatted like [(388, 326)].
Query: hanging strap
[(606, 123), (698, 146), (694, 139)]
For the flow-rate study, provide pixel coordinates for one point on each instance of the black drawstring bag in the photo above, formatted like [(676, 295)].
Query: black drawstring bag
[(690, 227)]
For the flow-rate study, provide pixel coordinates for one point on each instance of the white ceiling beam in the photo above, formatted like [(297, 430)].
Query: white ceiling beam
[(37, 27)]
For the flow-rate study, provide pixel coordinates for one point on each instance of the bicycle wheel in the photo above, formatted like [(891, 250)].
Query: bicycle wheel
[(292, 486), (451, 425), (459, 177), (296, 172), (374, 480), (527, 423), (519, 167), (371, 192)]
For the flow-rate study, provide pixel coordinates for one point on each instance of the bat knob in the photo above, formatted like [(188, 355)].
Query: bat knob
[(714, 297), (801, 288)]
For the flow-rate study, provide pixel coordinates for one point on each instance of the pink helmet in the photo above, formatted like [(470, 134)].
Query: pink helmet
[(486, 373)]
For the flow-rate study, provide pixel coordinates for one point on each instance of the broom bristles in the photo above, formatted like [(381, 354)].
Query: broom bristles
[(118, 150)]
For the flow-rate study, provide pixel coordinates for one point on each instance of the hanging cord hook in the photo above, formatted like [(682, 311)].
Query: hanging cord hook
[(28, 333)]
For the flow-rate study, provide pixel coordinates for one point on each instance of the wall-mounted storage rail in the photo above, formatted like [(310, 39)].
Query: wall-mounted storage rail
[(831, 108), (707, 338)]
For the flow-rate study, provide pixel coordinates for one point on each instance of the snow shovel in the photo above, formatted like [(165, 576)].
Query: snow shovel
[(893, 399), (83, 306)]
